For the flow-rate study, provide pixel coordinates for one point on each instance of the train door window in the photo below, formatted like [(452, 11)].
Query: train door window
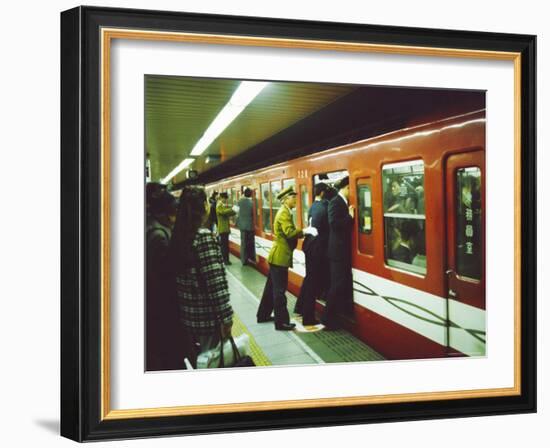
[(291, 183), (364, 216), (266, 207), (330, 178), (275, 203), (468, 222), (256, 206), (233, 201), (404, 218), (305, 205)]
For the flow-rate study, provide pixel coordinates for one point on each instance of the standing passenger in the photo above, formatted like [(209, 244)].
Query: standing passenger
[(212, 218), (340, 219), (315, 249), (224, 212), (199, 274), (245, 222), (162, 330), (280, 259)]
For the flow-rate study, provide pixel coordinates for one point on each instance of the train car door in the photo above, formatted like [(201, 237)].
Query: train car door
[(256, 209), (465, 270)]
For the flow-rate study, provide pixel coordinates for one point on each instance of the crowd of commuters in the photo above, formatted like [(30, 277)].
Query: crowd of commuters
[(188, 298)]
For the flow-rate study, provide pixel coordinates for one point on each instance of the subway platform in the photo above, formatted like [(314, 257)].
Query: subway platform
[(304, 345)]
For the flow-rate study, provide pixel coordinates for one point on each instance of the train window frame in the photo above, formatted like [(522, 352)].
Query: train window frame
[(327, 173), (304, 213), (359, 186), (285, 184), (458, 202), (392, 263), (265, 230), (274, 197), (365, 240), (257, 210), (286, 181)]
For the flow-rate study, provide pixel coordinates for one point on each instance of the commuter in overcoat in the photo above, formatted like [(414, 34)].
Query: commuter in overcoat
[(317, 264), (245, 222), (340, 218)]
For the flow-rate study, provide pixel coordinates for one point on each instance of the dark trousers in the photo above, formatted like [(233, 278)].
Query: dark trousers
[(224, 243), (273, 298), (312, 287), (248, 246), (340, 295)]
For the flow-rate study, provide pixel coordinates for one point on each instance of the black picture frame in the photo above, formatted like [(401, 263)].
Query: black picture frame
[(82, 408)]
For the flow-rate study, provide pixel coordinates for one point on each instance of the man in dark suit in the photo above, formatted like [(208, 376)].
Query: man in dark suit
[(315, 249), (340, 219), (245, 222)]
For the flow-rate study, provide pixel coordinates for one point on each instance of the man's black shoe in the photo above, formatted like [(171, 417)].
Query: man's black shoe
[(285, 327), (269, 319)]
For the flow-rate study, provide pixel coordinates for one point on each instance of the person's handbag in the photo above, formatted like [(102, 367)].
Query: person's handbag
[(233, 354), (241, 358)]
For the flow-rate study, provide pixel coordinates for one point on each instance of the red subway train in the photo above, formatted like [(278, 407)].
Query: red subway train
[(418, 255)]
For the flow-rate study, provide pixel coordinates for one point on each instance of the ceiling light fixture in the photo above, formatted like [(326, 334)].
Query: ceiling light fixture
[(245, 93), (184, 164)]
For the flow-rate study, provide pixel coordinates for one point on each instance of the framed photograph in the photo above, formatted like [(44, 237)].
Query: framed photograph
[(277, 224)]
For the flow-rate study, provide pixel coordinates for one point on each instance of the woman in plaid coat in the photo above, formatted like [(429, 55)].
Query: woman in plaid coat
[(201, 285)]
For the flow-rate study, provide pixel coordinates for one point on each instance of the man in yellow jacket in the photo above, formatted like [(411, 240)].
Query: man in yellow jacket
[(280, 259), (223, 213)]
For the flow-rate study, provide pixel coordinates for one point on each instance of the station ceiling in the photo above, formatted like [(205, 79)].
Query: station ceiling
[(178, 110), (286, 120)]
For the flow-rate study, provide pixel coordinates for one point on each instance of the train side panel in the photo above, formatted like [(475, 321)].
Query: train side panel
[(401, 314)]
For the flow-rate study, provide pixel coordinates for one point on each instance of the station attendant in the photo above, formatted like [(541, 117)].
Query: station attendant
[(315, 249), (280, 260), (223, 213), (245, 222), (340, 219)]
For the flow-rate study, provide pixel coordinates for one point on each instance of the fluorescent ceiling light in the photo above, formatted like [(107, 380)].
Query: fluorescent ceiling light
[(245, 93), (184, 164)]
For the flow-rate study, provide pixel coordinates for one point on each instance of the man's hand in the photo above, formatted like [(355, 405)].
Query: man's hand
[(351, 210)]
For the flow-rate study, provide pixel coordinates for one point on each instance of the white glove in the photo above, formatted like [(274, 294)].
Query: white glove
[(235, 208), (310, 231)]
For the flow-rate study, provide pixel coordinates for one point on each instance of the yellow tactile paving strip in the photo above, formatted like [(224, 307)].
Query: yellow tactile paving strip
[(259, 357)]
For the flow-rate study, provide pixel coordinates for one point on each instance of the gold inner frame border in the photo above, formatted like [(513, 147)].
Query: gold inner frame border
[(107, 35)]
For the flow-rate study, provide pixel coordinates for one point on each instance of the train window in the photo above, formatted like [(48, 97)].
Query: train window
[(364, 209), (404, 218), (330, 178), (275, 203), (291, 183), (305, 204), (468, 222), (266, 213), (232, 201), (365, 239), (256, 206)]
